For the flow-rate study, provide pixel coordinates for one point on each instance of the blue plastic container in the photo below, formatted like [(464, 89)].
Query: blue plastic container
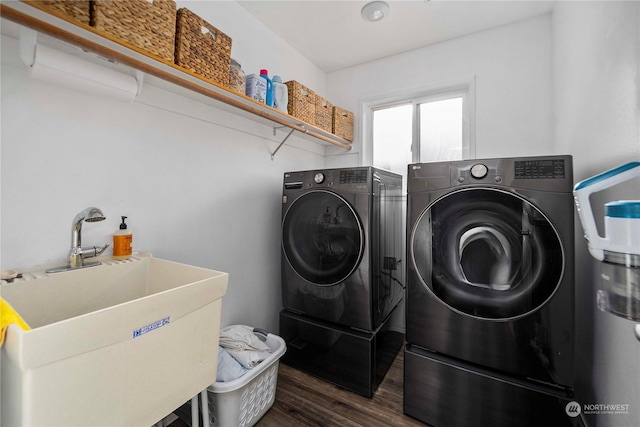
[(269, 98)]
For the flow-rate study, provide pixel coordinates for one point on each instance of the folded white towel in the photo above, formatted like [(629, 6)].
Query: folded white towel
[(240, 337), (248, 359), (228, 368)]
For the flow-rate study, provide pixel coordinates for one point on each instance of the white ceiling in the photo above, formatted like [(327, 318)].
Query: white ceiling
[(333, 35)]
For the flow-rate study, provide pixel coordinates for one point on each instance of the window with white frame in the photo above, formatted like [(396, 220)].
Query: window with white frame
[(420, 126)]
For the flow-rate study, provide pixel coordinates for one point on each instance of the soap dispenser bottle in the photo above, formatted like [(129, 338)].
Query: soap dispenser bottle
[(122, 242)]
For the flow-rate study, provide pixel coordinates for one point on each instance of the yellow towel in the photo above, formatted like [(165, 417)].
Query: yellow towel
[(8, 316)]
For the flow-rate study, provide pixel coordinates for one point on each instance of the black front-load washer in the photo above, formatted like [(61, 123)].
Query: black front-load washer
[(342, 269), (342, 245), (490, 287)]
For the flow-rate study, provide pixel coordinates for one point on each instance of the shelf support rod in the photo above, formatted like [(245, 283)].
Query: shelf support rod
[(273, 155)]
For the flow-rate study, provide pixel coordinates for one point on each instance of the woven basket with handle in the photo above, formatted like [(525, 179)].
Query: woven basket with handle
[(78, 10), (324, 114), (150, 26), (343, 123), (202, 48), (302, 102)]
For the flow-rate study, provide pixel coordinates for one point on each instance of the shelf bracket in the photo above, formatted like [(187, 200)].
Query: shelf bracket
[(27, 45), (55, 66), (276, 128), (139, 82), (273, 155)]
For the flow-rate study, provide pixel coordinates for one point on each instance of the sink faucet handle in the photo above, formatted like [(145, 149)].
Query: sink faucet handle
[(93, 251), (77, 255)]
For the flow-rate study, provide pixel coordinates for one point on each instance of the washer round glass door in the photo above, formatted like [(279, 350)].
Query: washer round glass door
[(487, 253), (322, 237)]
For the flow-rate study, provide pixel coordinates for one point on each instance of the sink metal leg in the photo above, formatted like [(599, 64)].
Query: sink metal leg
[(204, 401), (195, 417)]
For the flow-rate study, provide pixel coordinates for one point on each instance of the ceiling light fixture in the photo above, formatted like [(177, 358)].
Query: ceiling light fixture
[(375, 11)]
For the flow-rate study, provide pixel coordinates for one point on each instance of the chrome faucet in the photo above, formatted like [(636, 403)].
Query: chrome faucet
[(77, 253)]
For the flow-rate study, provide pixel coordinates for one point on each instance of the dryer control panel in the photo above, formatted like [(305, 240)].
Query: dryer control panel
[(546, 173), (353, 176), (357, 179), (539, 169)]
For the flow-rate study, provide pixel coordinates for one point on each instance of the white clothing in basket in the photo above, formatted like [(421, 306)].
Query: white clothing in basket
[(229, 368), (241, 343)]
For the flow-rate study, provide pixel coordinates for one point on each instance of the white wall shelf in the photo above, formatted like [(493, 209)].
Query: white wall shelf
[(174, 78)]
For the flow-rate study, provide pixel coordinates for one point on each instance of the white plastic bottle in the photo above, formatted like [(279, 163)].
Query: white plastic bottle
[(280, 94), (122, 240), (256, 88)]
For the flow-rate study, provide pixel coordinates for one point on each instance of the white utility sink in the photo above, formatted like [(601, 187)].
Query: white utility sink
[(120, 344)]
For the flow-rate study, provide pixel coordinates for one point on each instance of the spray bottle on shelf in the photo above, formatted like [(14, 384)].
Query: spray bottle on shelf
[(280, 94), (122, 242), (265, 75)]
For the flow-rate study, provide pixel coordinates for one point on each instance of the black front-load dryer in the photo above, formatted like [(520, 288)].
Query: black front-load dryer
[(342, 244), (490, 287)]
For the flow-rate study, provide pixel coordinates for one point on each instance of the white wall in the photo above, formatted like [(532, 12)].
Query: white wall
[(597, 103), (512, 67), (198, 186)]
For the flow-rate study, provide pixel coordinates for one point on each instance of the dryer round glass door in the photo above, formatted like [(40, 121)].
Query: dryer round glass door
[(322, 237), (487, 253)]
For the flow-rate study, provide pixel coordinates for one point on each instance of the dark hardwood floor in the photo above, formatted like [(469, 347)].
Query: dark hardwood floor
[(304, 400)]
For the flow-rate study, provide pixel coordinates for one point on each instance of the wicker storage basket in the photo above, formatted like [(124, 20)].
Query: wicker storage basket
[(78, 10), (202, 48), (343, 123), (150, 26), (302, 102), (324, 114)]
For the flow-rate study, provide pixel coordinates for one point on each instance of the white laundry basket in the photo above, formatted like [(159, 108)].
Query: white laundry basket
[(243, 401)]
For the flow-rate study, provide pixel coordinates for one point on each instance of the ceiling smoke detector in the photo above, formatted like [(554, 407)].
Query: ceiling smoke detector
[(375, 11)]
